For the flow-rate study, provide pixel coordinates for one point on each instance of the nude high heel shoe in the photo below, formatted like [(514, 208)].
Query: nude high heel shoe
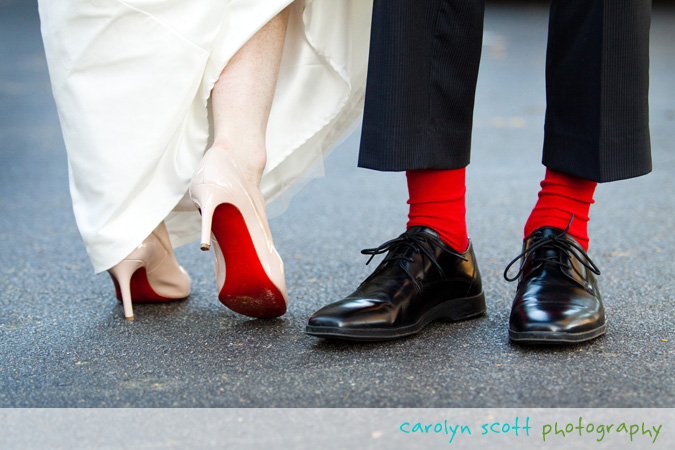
[(249, 271), (150, 273)]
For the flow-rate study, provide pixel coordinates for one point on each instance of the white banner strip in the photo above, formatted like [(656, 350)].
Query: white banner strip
[(315, 428)]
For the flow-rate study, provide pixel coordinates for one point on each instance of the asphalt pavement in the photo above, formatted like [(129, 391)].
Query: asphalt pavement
[(64, 342)]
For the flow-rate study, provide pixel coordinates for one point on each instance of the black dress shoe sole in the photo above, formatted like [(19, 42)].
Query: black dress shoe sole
[(451, 311), (553, 337)]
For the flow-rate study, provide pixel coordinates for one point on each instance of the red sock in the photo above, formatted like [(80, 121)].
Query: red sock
[(437, 201), (561, 197)]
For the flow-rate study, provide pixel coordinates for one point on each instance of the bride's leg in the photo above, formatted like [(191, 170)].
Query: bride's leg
[(226, 184), (242, 97)]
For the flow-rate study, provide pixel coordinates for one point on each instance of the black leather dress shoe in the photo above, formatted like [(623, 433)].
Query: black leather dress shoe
[(557, 301), (420, 280)]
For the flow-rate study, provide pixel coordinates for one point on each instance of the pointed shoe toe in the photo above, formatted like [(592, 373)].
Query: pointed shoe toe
[(356, 318)]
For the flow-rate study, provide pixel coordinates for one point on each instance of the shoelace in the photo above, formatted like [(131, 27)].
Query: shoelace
[(554, 242), (415, 241)]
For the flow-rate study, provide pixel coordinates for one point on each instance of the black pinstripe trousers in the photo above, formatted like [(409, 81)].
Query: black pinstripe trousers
[(424, 57)]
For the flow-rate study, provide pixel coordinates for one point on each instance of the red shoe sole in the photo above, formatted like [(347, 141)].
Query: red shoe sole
[(247, 288), (141, 291)]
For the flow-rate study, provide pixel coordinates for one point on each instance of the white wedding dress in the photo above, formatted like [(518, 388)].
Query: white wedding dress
[(132, 79)]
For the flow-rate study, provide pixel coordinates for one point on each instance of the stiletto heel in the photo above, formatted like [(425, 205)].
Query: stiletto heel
[(121, 275), (205, 204), (254, 285), (150, 273)]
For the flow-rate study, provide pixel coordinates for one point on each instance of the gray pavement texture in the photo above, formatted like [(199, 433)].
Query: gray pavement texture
[(64, 342)]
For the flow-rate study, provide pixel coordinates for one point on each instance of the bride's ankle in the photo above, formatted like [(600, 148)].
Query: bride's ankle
[(250, 157)]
